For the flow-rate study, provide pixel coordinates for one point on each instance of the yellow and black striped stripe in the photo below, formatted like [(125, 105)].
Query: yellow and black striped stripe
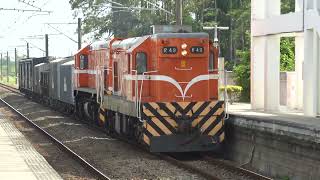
[(162, 118)]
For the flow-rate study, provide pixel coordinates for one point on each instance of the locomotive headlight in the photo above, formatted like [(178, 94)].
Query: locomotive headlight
[(184, 52), (184, 46)]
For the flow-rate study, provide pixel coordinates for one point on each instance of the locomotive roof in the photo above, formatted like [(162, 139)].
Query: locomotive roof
[(41, 64), (33, 58), (131, 43), (71, 62), (61, 59), (181, 35)]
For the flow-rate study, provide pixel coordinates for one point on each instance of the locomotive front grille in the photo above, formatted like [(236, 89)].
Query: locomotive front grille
[(183, 118)]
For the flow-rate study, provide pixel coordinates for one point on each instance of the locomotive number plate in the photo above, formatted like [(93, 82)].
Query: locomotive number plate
[(197, 50), (169, 50)]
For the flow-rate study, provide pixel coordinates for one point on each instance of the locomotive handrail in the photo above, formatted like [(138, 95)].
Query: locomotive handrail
[(140, 95), (226, 94), (181, 69), (212, 70), (136, 91), (225, 83)]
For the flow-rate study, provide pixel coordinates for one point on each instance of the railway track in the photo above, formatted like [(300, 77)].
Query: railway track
[(235, 169), (232, 170), (60, 144)]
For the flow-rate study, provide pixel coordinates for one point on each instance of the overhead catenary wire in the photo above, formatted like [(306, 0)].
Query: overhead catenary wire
[(66, 23), (34, 14), (24, 10), (157, 6), (62, 33), (133, 8), (39, 36), (35, 46), (29, 4)]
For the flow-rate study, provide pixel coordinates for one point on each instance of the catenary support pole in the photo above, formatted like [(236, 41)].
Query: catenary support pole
[(179, 12), (1, 67), (79, 33), (7, 66), (15, 64), (47, 45), (28, 50)]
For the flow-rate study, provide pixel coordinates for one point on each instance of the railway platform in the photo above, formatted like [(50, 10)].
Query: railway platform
[(289, 123), (280, 145), (18, 159)]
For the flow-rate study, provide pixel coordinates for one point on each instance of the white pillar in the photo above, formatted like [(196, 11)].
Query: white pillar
[(273, 7), (299, 5), (316, 4), (258, 11), (272, 74), (317, 59), (258, 72), (299, 56), (310, 73)]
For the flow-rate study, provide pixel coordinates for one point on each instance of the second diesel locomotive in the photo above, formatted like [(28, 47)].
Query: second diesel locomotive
[(160, 90)]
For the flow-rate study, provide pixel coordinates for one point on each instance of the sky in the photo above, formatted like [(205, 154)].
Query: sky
[(17, 27)]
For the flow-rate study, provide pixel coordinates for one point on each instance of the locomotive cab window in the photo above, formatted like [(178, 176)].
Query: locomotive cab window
[(141, 62), (211, 61), (83, 61)]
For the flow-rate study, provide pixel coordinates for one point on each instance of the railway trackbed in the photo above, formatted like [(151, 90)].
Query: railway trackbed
[(212, 168), (120, 158), (61, 145)]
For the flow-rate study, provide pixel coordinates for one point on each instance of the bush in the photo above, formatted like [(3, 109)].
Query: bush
[(242, 74), (234, 92)]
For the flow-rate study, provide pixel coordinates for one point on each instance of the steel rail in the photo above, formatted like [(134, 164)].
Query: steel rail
[(63, 147), (10, 88), (188, 167), (237, 170)]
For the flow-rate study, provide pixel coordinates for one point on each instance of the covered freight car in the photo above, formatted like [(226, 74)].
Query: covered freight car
[(66, 87), (43, 69), (27, 73), (54, 80)]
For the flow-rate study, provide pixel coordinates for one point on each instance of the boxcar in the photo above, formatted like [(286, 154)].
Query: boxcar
[(66, 79), (54, 81), (27, 73), (44, 79)]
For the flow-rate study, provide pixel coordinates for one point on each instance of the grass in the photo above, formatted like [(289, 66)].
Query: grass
[(11, 82)]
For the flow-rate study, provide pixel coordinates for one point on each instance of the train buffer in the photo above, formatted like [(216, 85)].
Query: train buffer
[(18, 158)]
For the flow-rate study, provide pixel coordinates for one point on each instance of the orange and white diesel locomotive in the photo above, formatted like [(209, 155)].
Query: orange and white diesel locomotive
[(160, 89)]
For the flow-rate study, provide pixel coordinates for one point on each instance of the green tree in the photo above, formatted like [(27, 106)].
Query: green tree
[(287, 54), (287, 6)]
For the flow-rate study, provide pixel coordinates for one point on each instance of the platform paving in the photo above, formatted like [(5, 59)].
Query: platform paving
[(18, 158), (288, 122)]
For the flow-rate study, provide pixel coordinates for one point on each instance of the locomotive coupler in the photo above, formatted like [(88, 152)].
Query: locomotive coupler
[(184, 124)]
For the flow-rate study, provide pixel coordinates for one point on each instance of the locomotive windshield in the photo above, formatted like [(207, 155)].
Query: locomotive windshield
[(141, 59), (83, 61)]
